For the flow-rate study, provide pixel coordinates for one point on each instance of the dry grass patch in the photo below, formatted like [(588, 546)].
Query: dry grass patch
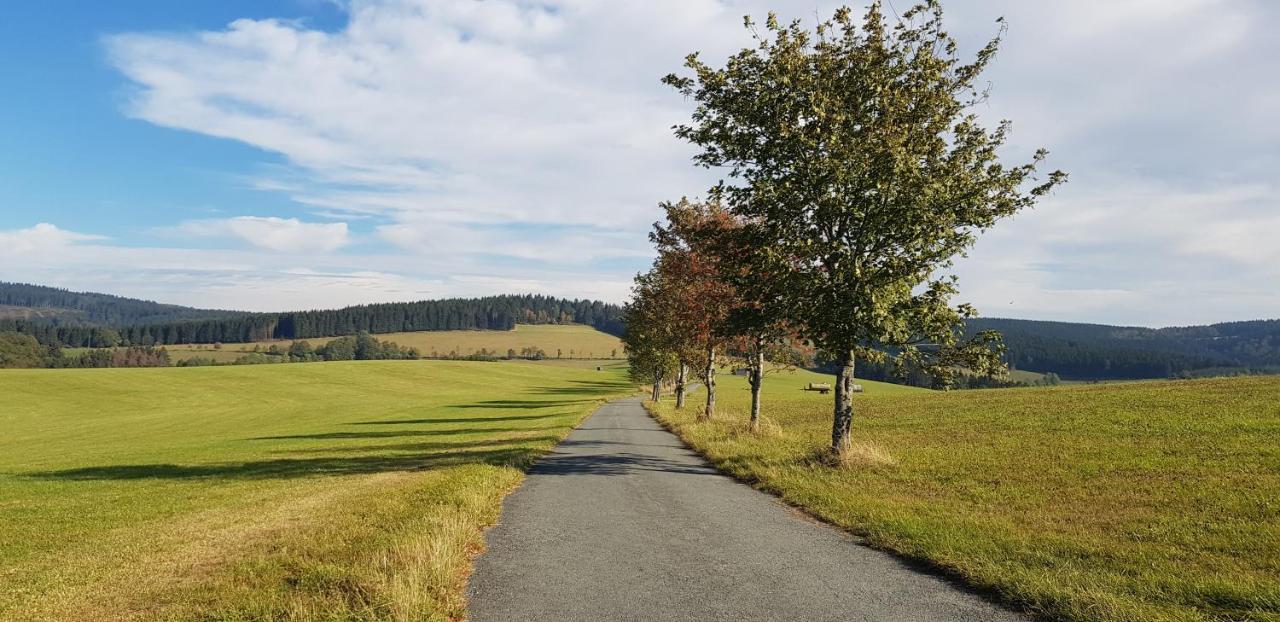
[(862, 454)]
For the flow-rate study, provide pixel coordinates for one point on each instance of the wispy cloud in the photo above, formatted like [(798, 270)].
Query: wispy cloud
[(40, 241), (516, 144), (288, 235)]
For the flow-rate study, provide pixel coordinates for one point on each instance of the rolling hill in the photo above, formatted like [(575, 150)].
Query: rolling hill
[(75, 319), (1101, 352), (40, 303)]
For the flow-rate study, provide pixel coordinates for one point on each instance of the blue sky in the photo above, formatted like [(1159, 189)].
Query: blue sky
[(314, 153), (72, 157)]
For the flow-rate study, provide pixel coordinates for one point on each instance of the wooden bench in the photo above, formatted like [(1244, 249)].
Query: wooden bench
[(824, 388)]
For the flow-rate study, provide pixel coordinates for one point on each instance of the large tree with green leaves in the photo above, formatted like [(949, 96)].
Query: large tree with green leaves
[(855, 152)]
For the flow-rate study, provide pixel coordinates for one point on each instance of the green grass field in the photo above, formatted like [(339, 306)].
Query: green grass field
[(352, 491), (1141, 501)]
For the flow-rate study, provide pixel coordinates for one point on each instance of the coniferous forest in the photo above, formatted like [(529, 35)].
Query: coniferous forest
[(109, 321)]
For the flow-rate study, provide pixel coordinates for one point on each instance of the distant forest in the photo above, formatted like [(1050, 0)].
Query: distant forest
[(125, 321), (1100, 352), (100, 309), (1072, 351)]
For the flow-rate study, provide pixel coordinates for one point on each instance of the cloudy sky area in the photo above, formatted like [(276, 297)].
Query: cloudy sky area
[(303, 153)]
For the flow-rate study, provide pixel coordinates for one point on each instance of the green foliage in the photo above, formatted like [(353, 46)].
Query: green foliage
[(364, 347), (301, 352), (139, 356), (18, 350), (649, 343), (859, 166), (341, 349), (256, 358)]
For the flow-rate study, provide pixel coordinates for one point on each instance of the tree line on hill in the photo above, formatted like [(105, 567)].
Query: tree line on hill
[(18, 350), (1099, 352), (23, 351), (489, 313), (101, 309), (857, 170), (359, 347)]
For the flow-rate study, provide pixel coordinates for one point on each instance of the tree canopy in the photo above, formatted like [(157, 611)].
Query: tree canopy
[(860, 170)]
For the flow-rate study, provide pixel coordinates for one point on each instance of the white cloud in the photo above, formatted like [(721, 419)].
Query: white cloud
[(1133, 252), (288, 235), (539, 132), (41, 240), (464, 111)]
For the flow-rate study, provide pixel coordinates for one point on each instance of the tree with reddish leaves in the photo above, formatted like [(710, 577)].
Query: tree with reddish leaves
[(700, 300)]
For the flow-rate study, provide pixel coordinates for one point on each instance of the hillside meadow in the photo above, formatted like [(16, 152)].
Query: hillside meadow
[(343, 490), (1138, 501)]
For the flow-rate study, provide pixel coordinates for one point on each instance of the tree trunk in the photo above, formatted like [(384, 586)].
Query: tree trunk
[(757, 379), (709, 380), (657, 387), (842, 422), (680, 385)]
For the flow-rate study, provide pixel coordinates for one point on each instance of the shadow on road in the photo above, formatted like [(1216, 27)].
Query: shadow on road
[(614, 464)]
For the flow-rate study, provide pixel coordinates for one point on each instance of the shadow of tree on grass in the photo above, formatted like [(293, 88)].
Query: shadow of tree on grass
[(426, 446), (520, 404), (290, 468), (399, 433), (478, 419), (588, 387)]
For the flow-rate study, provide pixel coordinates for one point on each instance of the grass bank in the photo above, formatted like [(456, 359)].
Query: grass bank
[(1141, 501), (350, 490)]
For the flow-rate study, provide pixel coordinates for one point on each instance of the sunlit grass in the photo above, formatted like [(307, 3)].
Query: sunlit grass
[(328, 491), (1140, 501)]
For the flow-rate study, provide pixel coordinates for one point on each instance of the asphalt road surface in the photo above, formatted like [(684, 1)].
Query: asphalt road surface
[(623, 522)]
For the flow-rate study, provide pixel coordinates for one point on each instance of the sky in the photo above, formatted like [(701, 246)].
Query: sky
[(291, 154)]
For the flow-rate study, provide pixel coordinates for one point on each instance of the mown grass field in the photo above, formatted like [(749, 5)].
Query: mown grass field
[(1140, 501), (324, 491), (571, 340)]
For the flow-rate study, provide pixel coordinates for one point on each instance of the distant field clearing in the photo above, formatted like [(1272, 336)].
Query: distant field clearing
[(556, 340)]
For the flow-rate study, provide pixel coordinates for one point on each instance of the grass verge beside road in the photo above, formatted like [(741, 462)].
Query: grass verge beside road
[(1142, 501), (352, 490)]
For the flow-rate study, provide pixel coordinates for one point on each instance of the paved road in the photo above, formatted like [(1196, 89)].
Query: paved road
[(622, 522)]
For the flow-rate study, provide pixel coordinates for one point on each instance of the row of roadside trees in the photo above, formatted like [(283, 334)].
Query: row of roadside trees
[(856, 171)]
